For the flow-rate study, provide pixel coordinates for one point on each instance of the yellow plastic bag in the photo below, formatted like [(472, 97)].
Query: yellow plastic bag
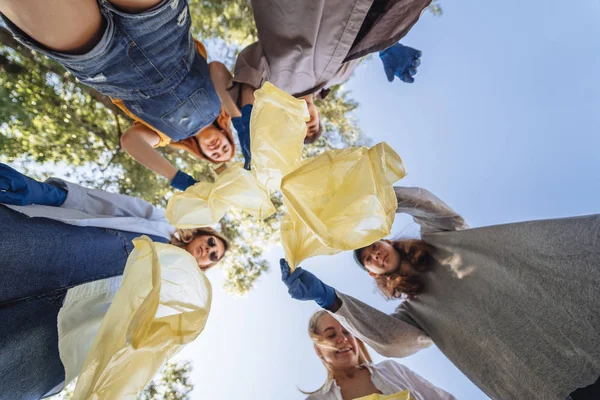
[(403, 395), (277, 132), (340, 200), (298, 242), (163, 303), (206, 203)]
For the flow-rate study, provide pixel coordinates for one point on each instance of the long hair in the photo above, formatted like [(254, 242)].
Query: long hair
[(182, 237), (399, 285), (364, 357)]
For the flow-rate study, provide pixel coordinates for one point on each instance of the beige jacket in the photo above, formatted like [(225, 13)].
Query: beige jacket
[(307, 46)]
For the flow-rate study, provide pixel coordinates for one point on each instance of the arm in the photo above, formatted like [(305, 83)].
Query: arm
[(18, 189), (221, 80), (431, 213), (100, 203), (247, 94), (139, 142), (395, 335)]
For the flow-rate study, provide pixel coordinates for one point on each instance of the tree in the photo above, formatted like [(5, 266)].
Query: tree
[(171, 383)]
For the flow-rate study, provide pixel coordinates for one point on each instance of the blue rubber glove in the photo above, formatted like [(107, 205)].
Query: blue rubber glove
[(246, 113), (302, 285), (400, 61), (242, 126), (20, 190), (182, 181)]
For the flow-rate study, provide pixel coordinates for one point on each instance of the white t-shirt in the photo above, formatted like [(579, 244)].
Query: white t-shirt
[(390, 377)]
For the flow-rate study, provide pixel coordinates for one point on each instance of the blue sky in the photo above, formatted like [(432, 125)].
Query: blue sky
[(502, 123)]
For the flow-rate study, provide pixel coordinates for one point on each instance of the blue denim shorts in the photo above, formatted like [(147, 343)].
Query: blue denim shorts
[(150, 62)]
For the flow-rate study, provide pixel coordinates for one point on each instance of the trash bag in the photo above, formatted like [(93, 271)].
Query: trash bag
[(298, 242), (277, 132), (206, 203), (340, 200), (403, 395), (162, 304)]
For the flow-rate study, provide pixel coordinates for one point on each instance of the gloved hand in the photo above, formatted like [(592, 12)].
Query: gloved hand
[(246, 112), (242, 126), (182, 181), (400, 61), (20, 190), (302, 285)]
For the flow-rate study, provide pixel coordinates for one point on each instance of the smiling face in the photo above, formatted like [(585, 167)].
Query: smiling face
[(215, 145), (207, 250), (337, 347)]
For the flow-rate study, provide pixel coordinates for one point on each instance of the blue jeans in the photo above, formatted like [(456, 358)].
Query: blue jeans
[(148, 60), (40, 259)]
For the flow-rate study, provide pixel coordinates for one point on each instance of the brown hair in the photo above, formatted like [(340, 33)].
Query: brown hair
[(363, 354), (397, 285), (182, 237)]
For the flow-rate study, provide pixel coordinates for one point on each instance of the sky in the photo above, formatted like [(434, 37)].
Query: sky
[(502, 124)]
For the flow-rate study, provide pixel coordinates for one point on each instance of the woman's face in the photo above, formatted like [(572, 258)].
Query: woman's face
[(344, 352), (380, 258), (207, 250), (215, 145)]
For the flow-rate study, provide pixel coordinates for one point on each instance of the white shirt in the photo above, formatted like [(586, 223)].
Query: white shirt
[(86, 305), (93, 207), (389, 377)]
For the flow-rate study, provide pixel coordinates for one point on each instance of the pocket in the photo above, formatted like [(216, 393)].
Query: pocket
[(200, 109)]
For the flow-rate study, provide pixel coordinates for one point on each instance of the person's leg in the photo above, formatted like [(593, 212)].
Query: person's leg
[(40, 255), (30, 364), (68, 26), (139, 142)]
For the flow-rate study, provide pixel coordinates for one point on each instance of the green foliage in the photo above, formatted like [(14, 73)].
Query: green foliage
[(435, 8), (171, 383)]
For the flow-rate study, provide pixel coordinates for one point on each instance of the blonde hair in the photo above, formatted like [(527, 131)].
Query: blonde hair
[(364, 357), (182, 237)]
